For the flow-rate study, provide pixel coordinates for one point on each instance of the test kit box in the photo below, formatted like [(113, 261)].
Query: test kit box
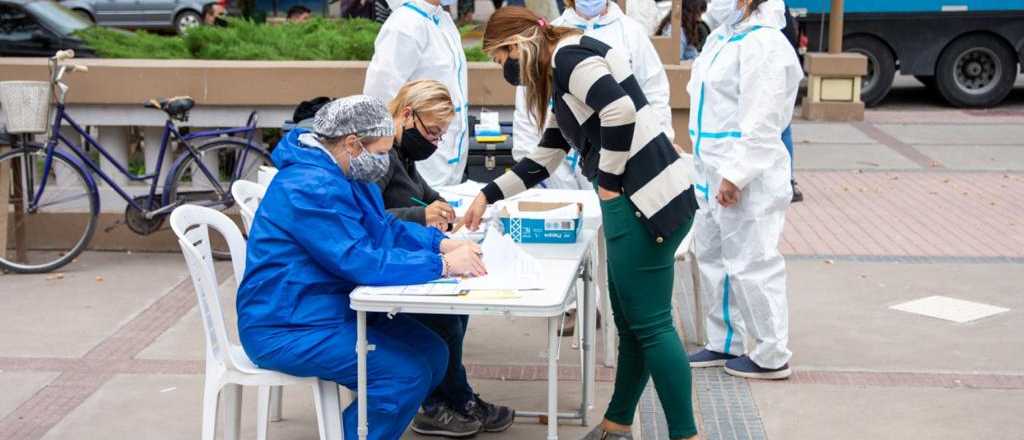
[(542, 222)]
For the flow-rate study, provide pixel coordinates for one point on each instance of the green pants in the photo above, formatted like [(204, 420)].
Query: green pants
[(640, 274)]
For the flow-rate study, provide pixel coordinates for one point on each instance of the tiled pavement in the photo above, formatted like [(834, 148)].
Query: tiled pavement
[(903, 187)]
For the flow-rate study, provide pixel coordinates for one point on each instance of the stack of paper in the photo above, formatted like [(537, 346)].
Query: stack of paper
[(509, 267)]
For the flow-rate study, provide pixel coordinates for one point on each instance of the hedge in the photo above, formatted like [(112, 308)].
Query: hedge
[(316, 39)]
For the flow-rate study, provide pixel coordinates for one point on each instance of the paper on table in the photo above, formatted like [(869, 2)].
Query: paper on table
[(509, 267), (468, 188)]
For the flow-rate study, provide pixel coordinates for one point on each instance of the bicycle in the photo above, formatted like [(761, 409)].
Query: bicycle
[(54, 193)]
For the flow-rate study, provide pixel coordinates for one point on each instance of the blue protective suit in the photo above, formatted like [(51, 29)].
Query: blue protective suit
[(317, 235)]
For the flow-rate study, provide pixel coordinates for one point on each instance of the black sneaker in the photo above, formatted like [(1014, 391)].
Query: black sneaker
[(445, 422), (798, 196), (494, 418), (743, 366)]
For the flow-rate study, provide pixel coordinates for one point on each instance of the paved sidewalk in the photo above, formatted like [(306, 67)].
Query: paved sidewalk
[(911, 203)]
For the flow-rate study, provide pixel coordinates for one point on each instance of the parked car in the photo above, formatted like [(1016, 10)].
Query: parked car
[(32, 28), (172, 15)]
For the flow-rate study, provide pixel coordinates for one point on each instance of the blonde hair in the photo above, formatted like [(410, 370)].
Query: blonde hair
[(426, 97), (536, 39)]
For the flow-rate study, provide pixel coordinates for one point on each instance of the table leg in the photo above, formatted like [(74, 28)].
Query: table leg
[(361, 350), (589, 336), (5, 191), (553, 378)]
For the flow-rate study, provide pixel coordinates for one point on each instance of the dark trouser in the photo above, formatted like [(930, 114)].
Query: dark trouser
[(640, 275), (454, 389)]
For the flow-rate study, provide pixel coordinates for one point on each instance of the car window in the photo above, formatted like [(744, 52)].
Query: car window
[(57, 18), (16, 24)]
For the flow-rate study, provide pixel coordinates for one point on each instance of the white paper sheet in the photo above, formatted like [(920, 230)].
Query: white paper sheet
[(509, 267)]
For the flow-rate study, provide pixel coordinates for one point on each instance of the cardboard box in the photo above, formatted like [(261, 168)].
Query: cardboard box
[(542, 222)]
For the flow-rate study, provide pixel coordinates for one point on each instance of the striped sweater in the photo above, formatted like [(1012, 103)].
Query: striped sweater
[(600, 109)]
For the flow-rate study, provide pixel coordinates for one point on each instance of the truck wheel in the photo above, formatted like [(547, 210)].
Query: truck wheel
[(929, 81), (881, 68), (976, 71)]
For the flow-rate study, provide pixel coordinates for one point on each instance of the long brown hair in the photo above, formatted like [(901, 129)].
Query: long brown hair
[(692, 10), (536, 40)]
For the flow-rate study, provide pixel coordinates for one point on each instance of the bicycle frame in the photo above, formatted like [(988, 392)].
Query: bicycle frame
[(170, 129)]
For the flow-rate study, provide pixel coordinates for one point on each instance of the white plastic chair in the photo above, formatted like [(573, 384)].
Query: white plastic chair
[(228, 368), (248, 196)]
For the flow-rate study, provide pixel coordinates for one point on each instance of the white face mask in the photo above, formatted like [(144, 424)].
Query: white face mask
[(724, 12)]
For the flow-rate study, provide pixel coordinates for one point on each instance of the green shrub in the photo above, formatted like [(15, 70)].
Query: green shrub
[(316, 39)]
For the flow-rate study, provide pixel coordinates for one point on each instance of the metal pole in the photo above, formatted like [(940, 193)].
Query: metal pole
[(20, 205), (835, 28), (590, 335)]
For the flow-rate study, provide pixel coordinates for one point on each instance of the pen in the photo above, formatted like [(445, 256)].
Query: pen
[(419, 202)]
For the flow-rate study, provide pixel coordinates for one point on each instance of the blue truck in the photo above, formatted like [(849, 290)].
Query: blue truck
[(969, 51)]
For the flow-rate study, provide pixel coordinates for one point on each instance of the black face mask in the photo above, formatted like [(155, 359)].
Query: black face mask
[(218, 21), (414, 145), (511, 71)]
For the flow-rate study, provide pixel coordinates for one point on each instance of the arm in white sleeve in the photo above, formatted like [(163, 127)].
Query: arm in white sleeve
[(394, 60), (650, 73), (525, 130), (767, 93)]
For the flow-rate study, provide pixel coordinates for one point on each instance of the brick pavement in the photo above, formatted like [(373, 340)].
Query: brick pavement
[(927, 214)]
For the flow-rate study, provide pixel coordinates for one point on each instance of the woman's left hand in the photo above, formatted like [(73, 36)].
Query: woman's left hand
[(605, 194), (448, 245)]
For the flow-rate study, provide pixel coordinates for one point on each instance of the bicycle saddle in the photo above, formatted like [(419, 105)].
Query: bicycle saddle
[(176, 107)]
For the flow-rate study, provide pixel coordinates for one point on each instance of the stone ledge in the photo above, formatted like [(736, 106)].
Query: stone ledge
[(256, 83), (844, 64), (833, 111)]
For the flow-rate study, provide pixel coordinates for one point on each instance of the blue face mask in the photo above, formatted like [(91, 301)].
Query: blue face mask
[(447, 2), (589, 9)]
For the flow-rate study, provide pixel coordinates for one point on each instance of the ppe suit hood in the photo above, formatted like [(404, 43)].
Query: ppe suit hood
[(770, 14), (293, 151), (571, 18)]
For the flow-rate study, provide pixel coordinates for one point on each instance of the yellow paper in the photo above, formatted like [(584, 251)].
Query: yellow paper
[(492, 294)]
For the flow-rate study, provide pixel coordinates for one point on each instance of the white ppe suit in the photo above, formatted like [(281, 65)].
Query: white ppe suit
[(620, 32), (742, 90), (420, 41)]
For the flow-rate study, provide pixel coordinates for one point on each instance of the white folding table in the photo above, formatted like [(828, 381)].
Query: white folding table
[(562, 265)]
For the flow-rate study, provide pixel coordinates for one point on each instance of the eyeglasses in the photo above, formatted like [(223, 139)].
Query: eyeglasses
[(433, 133)]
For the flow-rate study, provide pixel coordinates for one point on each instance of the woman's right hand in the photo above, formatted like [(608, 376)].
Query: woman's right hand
[(465, 262), (475, 212), (439, 213)]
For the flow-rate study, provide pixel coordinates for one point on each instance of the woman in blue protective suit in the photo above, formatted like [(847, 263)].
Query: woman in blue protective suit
[(321, 231)]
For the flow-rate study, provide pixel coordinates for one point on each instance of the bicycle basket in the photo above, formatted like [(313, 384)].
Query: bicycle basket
[(26, 105)]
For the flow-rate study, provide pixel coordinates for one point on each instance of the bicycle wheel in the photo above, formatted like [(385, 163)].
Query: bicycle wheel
[(50, 234), (226, 160)]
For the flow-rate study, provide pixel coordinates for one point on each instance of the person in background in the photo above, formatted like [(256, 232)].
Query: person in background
[(422, 111), (647, 201), (357, 9), (605, 21), (213, 14), (299, 14), (792, 33), (742, 89), (322, 230), (419, 40), (691, 39)]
